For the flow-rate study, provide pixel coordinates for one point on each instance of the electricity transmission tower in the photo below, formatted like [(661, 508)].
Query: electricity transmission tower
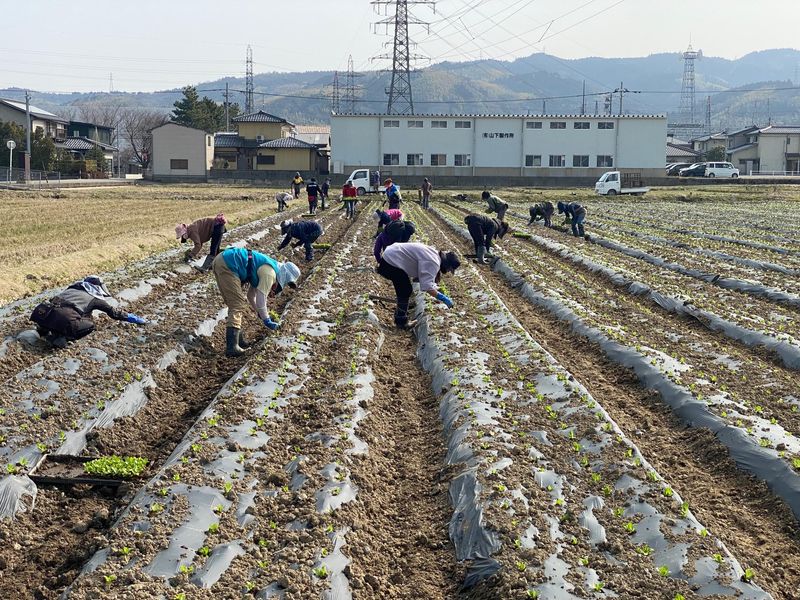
[(248, 84), (335, 94), (401, 100), (350, 87), (686, 122)]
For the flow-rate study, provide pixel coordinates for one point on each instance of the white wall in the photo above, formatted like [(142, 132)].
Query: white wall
[(172, 141), (499, 142)]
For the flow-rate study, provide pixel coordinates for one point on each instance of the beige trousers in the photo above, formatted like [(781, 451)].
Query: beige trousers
[(230, 286)]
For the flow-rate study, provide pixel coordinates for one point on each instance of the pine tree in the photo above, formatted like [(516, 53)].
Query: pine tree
[(186, 108)]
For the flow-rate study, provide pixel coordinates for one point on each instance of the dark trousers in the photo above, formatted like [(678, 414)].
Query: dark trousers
[(350, 207), (296, 190), (216, 238), (577, 222), (402, 289), (308, 242), (478, 237), (312, 204), (68, 322), (394, 202)]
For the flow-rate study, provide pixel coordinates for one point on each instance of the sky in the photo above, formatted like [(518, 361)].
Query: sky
[(150, 45)]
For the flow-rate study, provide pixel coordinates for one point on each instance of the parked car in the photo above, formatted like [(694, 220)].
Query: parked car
[(675, 168), (695, 170), (721, 169)]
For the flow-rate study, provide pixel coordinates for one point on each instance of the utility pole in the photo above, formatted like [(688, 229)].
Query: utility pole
[(583, 98), (227, 109), (622, 90), (596, 104), (27, 136), (544, 107), (401, 100)]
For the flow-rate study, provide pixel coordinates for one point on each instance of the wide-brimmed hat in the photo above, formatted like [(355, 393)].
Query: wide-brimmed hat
[(181, 231), (288, 274), (94, 285)]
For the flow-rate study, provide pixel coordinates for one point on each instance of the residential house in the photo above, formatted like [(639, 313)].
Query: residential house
[(181, 153), (50, 124), (705, 143), (79, 147), (99, 133), (779, 149), (265, 142), (682, 153), (743, 149)]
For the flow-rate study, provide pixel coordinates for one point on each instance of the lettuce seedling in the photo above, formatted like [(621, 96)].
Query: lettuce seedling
[(114, 466)]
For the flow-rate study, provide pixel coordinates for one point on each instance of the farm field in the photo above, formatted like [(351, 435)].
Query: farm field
[(610, 417)]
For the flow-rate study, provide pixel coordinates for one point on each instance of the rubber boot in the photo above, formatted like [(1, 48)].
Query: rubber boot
[(489, 253), (232, 348), (206, 264), (57, 341), (401, 315), (243, 343), (480, 251)]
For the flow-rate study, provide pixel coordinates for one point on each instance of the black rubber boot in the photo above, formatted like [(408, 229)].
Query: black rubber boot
[(401, 315), (243, 343), (480, 253), (232, 348), (206, 264), (57, 341)]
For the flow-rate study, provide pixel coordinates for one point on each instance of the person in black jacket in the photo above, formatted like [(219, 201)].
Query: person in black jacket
[(325, 190), (306, 233), (313, 190), (576, 215), (483, 230), (68, 316), (542, 211)]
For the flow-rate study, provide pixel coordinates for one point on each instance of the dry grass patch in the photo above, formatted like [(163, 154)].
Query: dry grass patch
[(50, 240)]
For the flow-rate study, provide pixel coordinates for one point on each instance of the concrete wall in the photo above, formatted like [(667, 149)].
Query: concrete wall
[(497, 144), (172, 141)]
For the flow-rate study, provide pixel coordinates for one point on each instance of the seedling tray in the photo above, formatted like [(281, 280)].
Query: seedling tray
[(62, 470)]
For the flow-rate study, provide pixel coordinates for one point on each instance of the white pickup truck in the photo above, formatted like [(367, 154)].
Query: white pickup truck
[(612, 183), (366, 181)]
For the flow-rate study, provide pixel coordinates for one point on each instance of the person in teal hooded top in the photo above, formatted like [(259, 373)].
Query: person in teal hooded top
[(247, 277)]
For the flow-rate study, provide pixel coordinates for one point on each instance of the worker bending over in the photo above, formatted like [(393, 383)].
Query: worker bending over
[(483, 230), (282, 198), (542, 211), (305, 232), (576, 214), (199, 232), (385, 217), (398, 231), (495, 205)]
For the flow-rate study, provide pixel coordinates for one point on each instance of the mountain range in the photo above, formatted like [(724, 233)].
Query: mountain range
[(757, 88)]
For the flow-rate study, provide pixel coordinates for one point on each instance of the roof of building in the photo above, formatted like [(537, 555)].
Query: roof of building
[(713, 136), (259, 117), (780, 129), (500, 116), (288, 142), (740, 148), (233, 140), (83, 144), (748, 129), (36, 112), (178, 125), (313, 129), (679, 150)]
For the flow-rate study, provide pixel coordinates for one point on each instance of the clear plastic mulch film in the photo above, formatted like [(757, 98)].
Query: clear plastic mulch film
[(270, 392), (17, 495), (133, 396), (788, 353), (477, 543)]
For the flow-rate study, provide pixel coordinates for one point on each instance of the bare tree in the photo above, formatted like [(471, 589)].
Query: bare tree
[(135, 127)]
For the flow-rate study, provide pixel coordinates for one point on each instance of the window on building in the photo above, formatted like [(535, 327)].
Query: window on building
[(179, 164), (462, 160), (581, 124), (391, 160), (556, 160), (605, 125), (580, 160), (265, 159), (415, 124), (438, 124), (414, 160), (605, 160), (533, 160), (558, 124), (391, 123), (438, 160), (463, 125), (533, 125)]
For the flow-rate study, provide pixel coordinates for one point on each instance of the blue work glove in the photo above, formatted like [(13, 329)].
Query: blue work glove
[(442, 298), (132, 318), (271, 324)]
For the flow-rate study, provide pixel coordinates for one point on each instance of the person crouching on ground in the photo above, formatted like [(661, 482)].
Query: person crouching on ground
[(68, 316), (399, 231), (483, 230), (249, 277), (542, 211), (306, 233), (349, 197), (576, 214), (401, 263), (385, 217), (494, 205), (199, 232), (282, 198)]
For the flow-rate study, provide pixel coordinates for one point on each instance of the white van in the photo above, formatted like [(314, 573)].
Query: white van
[(721, 169)]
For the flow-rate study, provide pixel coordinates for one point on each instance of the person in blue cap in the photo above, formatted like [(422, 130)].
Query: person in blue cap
[(246, 277), (576, 214), (68, 316)]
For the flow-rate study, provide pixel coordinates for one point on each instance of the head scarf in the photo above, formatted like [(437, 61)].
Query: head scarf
[(220, 219), (288, 274), (561, 207), (285, 225), (448, 262), (95, 286), (181, 231)]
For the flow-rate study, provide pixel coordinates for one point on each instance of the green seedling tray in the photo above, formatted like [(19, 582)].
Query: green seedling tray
[(321, 246), (63, 470), (521, 234)]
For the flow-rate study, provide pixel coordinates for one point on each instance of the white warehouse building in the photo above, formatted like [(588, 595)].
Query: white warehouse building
[(499, 145)]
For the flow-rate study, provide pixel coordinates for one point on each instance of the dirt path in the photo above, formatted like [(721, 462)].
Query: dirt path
[(402, 540), (742, 512)]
